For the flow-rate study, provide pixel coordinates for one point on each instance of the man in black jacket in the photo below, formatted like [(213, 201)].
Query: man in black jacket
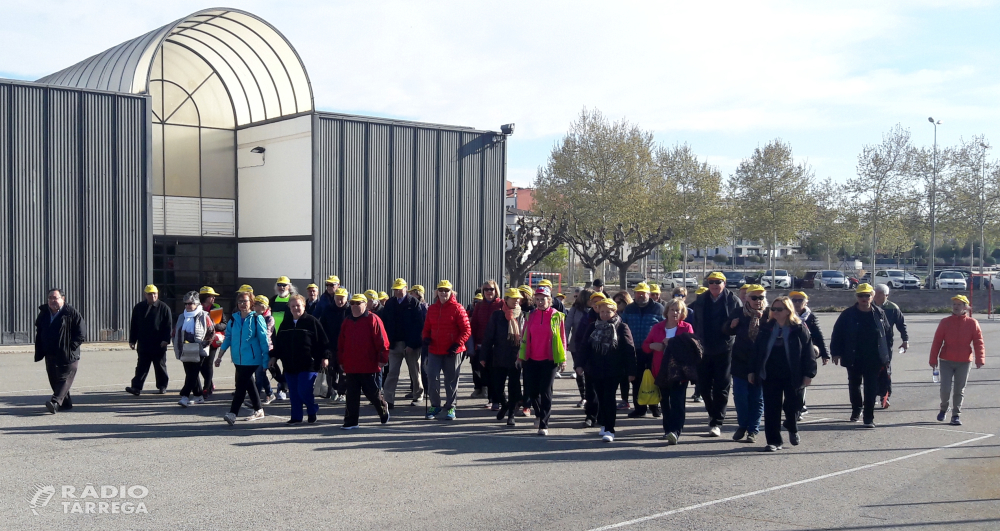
[(149, 335), (403, 325), (58, 336), (712, 311), (861, 343), (896, 320), (335, 309)]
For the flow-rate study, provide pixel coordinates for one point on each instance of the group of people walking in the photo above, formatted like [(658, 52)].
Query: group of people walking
[(765, 353)]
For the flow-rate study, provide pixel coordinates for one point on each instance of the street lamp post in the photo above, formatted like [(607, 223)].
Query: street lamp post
[(982, 210), (930, 263)]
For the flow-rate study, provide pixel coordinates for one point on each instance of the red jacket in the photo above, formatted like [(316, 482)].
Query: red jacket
[(481, 317), (658, 334), (362, 344), (961, 339), (446, 325)]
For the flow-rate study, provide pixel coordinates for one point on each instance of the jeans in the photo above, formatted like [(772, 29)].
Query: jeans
[(300, 392), (714, 383), (263, 382), (60, 380), (396, 358), (450, 363), (959, 372), (539, 376), (780, 394), (192, 381), (157, 357), (512, 377), (857, 374), (672, 402), (245, 386), (749, 400), (367, 384)]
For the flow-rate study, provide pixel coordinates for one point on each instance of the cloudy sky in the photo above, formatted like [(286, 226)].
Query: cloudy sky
[(724, 77)]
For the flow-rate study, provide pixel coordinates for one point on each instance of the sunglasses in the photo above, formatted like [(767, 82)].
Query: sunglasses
[(756, 298), (679, 296), (488, 289), (798, 300), (445, 290), (864, 295), (356, 303), (778, 309), (715, 282)]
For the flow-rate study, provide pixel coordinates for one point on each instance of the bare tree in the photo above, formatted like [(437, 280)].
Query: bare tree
[(624, 246), (532, 239)]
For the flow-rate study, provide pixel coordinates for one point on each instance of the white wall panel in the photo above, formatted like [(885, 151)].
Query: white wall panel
[(273, 259)]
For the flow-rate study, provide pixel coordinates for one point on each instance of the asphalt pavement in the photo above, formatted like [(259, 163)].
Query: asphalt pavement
[(151, 464)]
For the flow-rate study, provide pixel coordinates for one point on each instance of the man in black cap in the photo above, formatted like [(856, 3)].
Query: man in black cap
[(599, 286)]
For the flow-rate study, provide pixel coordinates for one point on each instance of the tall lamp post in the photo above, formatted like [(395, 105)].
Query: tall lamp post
[(930, 263), (982, 210)]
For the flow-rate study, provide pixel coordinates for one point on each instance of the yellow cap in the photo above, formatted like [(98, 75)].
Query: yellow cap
[(399, 283), (961, 298), (359, 297), (282, 280), (700, 290), (800, 294), (642, 287), (525, 291), (523, 287), (150, 289), (478, 297), (371, 295), (545, 282), (560, 296), (245, 288), (382, 296), (598, 295), (340, 292), (744, 288), (654, 288), (513, 293), (864, 288), (333, 279), (609, 303), (717, 276), (418, 288), (444, 284), (206, 290), (312, 286), (755, 288), (261, 300)]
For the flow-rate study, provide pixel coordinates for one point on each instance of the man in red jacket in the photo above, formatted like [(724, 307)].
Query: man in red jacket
[(362, 350)]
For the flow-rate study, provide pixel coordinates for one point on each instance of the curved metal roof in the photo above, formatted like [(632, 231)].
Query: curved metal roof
[(260, 69)]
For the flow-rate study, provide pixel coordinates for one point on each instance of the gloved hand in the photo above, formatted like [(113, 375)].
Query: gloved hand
[(427, 342), (454, 348)]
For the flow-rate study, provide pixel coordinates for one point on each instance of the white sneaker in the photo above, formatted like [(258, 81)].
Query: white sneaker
[(230, 418), (543, 432), (282, 395), (671, 438), (608, 437), (184, 401), (257, 415), (199, 400), (714, 431), (415, 403), (558, 375)]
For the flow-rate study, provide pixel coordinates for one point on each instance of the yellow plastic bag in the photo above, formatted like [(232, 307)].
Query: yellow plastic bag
[(649, 393)]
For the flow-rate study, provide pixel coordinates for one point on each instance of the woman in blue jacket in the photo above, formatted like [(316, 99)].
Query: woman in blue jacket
[(247, 335)]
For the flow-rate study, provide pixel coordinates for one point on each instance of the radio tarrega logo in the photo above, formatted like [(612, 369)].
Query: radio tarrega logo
[(91, 499)]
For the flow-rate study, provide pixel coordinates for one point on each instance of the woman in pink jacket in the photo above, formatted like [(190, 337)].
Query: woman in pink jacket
[(958, 338), (656, 343)]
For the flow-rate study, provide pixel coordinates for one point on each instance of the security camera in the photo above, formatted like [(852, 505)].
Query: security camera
[(507, 129), (258, 149)]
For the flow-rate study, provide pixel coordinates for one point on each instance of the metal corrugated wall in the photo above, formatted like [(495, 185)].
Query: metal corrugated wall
[(400, 199), (73, 169)]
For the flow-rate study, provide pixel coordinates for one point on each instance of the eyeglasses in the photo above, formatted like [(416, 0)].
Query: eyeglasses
[(756, 298), (798, 300), (715, 282), (679, 296), (778, 309), (864, 295), (488, 289), (356, 303)]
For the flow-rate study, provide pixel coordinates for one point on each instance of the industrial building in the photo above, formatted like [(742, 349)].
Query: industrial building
[(193, 155)]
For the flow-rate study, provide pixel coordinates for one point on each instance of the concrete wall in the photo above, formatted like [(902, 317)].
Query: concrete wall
[(915, 301)]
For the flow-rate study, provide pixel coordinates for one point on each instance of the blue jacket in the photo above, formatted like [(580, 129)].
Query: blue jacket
[(248, 339), (640, 319)]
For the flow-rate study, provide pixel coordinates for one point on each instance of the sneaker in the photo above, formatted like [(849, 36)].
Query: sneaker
[(558, 375), (184, 401), (199, 400), (752, 437), (955, 421), (478, 393), (257, 415), (623, 404), (161, 391), (855, 417), (205, 393), (696, 398), (715, 431), (341, 399), (589, 423), (804, 410), (868, 424), (636, 414), (312, 419), (581, 403), (282, 395), (740, 433), (941, 415), (432, 412), (656, 411), (346, 427), (543, 432), (772, 448), (333, 396), (798, 416), (230, 418), (268, 399), (415, 403), (53, 407), (495, 407), (383, 416), (608, 437), (794, 438), (451, 414), (408, 395), (293, 421), (132, 391), (526, 411), (671, 438), (510, 422)]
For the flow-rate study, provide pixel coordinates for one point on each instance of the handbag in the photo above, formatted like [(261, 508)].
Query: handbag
[(320, 387), (649, 393), (191, 352)]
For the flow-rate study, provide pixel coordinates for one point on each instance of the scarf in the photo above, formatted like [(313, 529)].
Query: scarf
[(513, 316), (605, 336), (189, 319), (806, 312), (754, 326)]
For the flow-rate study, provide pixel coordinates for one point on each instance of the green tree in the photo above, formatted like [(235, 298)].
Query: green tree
[(971, 189), (835, 223), (557, 260)]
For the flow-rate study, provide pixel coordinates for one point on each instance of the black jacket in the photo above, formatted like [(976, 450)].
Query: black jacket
[(680, 361), (58, 340), (844, 341), (150, 327), (616, 364), (812, 322), (896, 319), (301, 346), (708, 324), (403, 321), (743, 346), (333, 316), (313, 308), (497, 350), (798, 350)]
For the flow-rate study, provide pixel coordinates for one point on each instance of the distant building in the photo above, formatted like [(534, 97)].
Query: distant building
[(519, 198)]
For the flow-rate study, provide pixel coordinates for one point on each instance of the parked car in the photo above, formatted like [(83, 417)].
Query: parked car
[(897, 279), (852, 282), (808, 281), (734, 279), (951, 280), (832, 279), (782, 280), (633, 278), (677, 279)]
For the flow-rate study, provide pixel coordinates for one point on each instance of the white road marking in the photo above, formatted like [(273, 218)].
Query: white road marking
[(942, 429), (785, 486)]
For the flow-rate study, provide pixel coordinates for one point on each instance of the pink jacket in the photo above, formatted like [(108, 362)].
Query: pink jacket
[(658, 334), (956, 338)]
